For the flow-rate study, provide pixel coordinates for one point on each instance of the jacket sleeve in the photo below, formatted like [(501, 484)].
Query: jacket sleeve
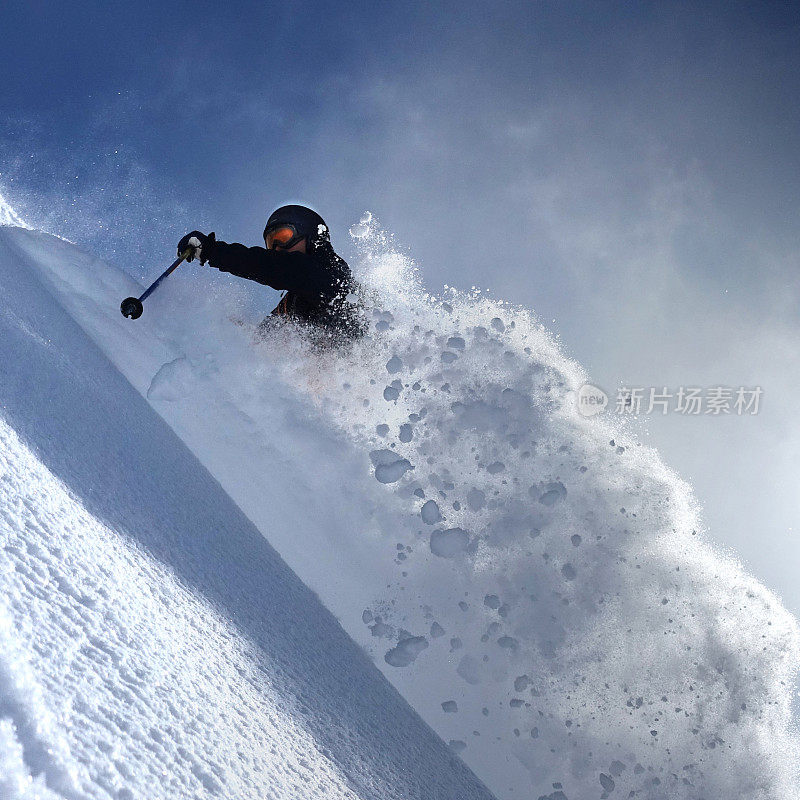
[(296, 272)]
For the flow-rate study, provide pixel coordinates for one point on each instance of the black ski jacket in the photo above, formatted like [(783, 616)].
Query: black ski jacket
[(319, 285)]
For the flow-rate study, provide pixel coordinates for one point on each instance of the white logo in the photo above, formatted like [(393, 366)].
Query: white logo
[(591, 400)]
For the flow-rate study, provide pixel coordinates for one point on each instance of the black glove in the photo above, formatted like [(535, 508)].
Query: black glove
[(202, 246)]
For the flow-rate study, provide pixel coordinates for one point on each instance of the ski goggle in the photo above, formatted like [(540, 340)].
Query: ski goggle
[(281, 236)]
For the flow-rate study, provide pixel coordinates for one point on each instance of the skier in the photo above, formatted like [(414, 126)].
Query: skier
[(298, 258)]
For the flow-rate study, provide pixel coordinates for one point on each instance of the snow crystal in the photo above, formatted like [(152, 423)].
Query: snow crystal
[(469, 669), (430, 513), (406, 651), (173, 381), (394, 364), (449, 543), (552, 493), (476, 499), (569, 572), (389, 466), (392, 391), (607, 782)]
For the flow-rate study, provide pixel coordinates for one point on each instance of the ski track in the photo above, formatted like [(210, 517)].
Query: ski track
[(538, 585)]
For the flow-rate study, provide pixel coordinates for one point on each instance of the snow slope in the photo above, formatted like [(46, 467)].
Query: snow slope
[(152, 644), (538, 585)]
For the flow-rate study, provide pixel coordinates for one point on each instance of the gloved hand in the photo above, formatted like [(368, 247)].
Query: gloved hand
[(202, 245)]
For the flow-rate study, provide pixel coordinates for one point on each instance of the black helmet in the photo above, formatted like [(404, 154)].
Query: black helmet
[(307, 224)]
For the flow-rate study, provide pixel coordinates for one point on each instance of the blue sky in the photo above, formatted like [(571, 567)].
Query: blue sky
[(628, 170)]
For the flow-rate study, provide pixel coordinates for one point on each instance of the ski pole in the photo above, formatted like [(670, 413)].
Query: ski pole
[(131, 307)]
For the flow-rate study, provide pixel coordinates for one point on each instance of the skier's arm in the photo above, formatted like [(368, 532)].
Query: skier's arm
[(296, 272)]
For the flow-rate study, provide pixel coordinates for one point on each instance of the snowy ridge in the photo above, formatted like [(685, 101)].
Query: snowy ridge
[(536, 584), (111, 616), (8, 216), (152, 644)]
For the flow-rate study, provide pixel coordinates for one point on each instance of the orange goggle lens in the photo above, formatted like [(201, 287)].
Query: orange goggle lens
[(280, 236)]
